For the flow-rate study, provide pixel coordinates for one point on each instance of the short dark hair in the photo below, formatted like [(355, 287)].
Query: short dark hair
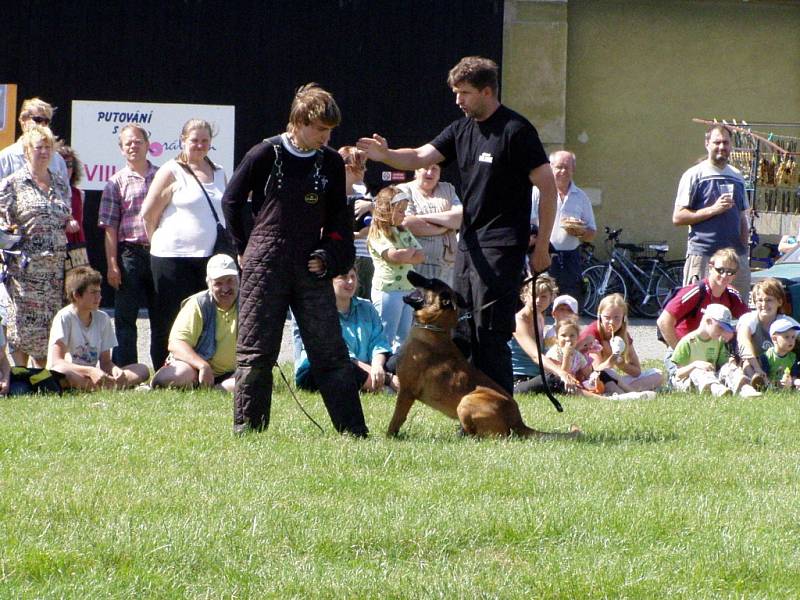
[(477, 71), (134, 127), (717, 127), (79, 279)]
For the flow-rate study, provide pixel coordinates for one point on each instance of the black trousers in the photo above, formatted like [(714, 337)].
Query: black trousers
[(174, 280), (269, 288), (135, 291), (566, 269), (483, 275)]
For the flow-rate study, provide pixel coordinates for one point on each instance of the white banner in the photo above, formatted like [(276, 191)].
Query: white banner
[(96, 126)]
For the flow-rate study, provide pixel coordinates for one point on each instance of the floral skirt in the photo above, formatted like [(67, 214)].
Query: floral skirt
[(37, 294)]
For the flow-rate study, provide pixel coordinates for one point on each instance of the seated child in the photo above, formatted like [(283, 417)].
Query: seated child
[(617, 358), (780, 362), (701, 357), (81, 339), (524, 350), (564, 307), (573, 368)]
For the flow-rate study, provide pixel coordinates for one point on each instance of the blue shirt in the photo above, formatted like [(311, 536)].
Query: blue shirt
[(700, 187), (362, 331), (521, 363)]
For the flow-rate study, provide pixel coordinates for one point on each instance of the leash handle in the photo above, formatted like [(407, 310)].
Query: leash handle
[(538, 340)]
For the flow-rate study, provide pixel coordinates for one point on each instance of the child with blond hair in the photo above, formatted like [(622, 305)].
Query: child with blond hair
[(394, 251), (617, 356)]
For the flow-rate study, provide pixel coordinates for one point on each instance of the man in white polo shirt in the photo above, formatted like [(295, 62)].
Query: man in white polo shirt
[(574, 224)]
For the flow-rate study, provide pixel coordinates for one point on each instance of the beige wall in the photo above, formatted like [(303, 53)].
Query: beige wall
[(637, 72)]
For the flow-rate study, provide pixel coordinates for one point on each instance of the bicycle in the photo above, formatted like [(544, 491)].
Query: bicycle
[(648, 279)]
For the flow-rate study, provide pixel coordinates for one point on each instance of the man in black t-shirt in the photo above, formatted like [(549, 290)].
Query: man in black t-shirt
[(499, 156)]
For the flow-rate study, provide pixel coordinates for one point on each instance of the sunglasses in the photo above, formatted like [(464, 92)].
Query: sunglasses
[(721, 271), (40, 120)]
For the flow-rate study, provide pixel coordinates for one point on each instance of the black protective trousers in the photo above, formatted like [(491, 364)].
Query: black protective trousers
[(270, 285)]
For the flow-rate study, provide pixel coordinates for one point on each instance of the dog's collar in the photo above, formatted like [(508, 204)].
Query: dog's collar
[(430, 327)]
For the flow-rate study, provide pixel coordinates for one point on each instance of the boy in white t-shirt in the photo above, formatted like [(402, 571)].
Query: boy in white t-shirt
[(82, 336)]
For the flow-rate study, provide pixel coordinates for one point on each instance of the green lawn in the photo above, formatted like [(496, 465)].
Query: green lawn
[(150, 495)]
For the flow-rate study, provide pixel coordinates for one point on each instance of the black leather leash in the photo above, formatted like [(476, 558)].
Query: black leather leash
[(291, 391)]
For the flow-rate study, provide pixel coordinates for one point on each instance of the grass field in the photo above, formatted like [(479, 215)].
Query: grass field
[(143, 495)]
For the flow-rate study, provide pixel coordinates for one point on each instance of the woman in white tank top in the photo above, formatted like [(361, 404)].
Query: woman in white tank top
[(181, 225)]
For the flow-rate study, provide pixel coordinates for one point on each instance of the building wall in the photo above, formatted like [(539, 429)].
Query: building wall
[(637, 72)]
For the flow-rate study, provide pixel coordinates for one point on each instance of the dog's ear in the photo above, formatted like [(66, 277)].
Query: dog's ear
[(460, 300), (415, 299), (418, 280)]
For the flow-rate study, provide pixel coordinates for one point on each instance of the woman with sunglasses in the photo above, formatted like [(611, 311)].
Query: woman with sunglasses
[(683, 313), (35, 111)]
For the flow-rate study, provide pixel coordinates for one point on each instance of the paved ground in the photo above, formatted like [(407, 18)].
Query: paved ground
[(643, 332)]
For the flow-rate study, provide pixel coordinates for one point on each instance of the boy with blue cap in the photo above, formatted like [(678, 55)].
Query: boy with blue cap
[(702, 357)]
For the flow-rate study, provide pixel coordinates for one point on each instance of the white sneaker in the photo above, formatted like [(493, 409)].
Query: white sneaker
[(748, 391), (633, 396), (717, 389)]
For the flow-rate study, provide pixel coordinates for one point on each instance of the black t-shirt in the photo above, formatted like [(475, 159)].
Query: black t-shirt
[(495, 158)]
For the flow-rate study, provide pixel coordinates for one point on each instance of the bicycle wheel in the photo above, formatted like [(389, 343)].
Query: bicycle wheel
[(658, 285), (604, 280), (674, 269)]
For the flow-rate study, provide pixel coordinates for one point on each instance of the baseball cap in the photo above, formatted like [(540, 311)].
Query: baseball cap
[(220, 265), (399, 197), (783, 324), (566, 300), (721, 314)]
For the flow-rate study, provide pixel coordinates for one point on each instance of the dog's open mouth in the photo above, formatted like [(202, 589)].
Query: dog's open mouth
[(415, 299)]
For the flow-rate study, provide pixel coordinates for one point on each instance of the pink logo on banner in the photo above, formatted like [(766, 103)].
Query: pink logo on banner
[(156, 148)]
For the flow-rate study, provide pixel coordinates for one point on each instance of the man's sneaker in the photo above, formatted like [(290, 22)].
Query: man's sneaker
[(748, 391), (759, 381), (717, 389)]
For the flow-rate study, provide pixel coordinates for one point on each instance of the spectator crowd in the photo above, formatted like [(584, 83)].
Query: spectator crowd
[(221, 261)]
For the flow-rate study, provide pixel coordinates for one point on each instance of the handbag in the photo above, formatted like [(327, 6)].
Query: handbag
[(77, 256), (223, 244)]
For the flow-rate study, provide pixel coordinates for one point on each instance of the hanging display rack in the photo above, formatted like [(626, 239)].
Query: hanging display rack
[(768, 162)]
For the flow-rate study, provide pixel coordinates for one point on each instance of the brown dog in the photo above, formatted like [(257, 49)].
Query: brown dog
[(434, 371)]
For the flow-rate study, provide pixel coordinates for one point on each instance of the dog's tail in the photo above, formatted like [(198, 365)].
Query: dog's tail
[(523, 430)]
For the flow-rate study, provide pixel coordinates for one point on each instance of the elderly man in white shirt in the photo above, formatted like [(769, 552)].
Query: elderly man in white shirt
[(574, 224)]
